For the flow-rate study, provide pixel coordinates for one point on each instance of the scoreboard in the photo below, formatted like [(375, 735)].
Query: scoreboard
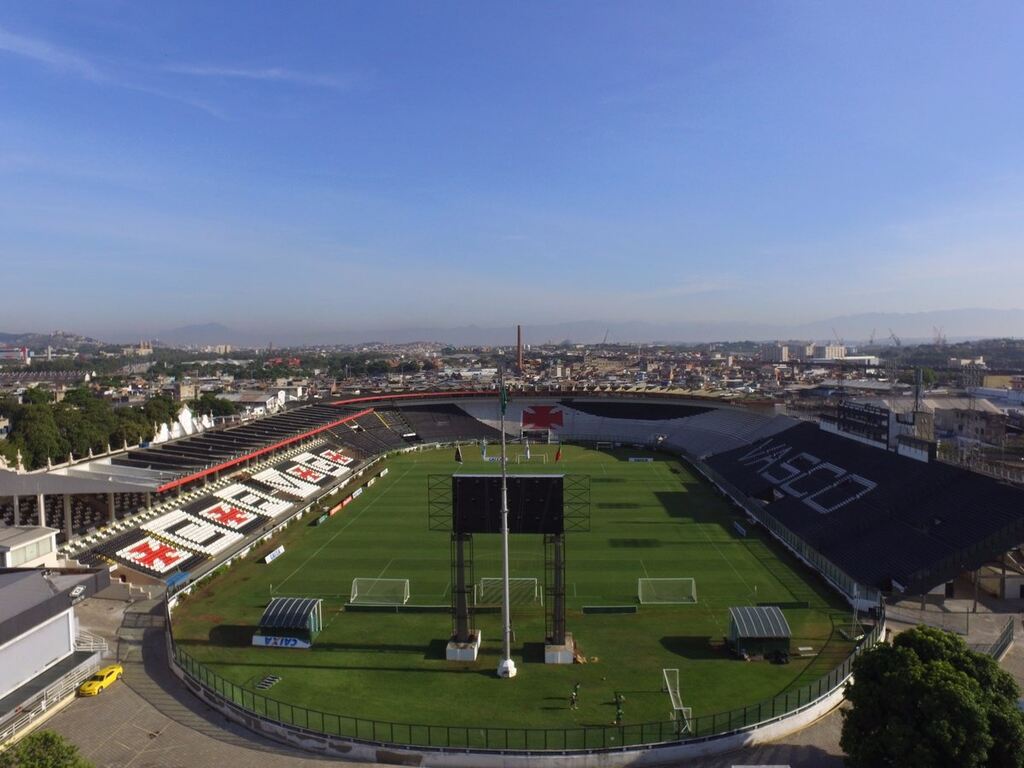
[(535, 504)]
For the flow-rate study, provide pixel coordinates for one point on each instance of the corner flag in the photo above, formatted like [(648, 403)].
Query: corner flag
[(458, 453), (558, 454)]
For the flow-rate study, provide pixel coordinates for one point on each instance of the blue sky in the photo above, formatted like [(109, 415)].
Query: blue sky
[(324, 165)]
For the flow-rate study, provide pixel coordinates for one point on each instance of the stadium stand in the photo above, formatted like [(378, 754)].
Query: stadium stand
[(199, 535), (444, 423), (613, 409), (722, 429), (394, 420), (144, 553), (886, 520)]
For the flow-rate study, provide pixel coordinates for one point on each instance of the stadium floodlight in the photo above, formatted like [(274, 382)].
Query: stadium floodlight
[(679, 591), (379, 591), (522, 591)]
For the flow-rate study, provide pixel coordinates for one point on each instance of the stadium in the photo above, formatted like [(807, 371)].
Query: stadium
[(687, 577)]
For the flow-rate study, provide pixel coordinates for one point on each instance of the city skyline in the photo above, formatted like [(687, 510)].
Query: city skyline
[(356, 169)]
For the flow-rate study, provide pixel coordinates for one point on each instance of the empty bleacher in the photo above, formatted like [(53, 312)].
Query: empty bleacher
[(722, 429), (446, 423), (881, 517)]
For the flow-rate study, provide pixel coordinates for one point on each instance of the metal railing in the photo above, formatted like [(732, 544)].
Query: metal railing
[(54, 693), (86, 641), (1001, 644), (490, 738)]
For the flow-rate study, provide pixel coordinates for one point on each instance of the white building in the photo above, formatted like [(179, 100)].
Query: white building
[(28, 547)]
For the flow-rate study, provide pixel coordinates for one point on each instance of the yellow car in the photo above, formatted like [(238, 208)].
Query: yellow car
[(101, 680)]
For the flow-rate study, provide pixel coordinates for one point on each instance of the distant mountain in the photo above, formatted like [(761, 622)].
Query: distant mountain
[(911, 327), (57, 340)]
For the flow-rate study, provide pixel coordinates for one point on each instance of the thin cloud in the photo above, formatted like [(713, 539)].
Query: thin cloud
[(48, 54), (264, 74)]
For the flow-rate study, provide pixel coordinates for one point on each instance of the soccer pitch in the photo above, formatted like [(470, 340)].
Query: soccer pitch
[(648, 520)]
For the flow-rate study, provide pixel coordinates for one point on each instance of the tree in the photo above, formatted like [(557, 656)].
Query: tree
[(161, 410), (928, 700), (35, 433), (43, 749), (210, 403), (37, 396)]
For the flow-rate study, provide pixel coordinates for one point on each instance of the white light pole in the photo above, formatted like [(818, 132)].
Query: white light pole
[(506, 667)]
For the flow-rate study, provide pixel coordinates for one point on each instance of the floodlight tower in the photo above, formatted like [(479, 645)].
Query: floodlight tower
[(506, 667)]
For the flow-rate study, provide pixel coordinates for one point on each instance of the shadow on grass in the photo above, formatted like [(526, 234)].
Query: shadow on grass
[(636, 543), (533, 653), (694, 646), (231, 635)]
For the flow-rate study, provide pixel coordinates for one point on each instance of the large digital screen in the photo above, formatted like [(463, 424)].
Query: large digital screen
[(535, 504)]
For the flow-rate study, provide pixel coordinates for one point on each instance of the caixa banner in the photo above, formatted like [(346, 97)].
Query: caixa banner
[(274, 641)]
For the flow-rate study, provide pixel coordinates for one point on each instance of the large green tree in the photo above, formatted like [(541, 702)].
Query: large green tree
[(36, 435), (928, 700), (43, 749), (210, 403)]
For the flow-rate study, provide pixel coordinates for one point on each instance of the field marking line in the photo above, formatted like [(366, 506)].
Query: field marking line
[(342, 529), (379, 575)]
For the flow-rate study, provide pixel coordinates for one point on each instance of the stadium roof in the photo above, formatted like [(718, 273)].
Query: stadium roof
[(88, 477), (168, 465), (289, 613), (759, 622)]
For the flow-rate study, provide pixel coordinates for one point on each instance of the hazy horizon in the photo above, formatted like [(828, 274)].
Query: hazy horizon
[(322, 168)]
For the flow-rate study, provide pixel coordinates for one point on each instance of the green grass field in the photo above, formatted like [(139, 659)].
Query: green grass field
[(647, 520)]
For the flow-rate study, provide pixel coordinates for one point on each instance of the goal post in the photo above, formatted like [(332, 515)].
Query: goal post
[(678, 591), (683, 716), (379, 591), (533, 458), (521, 591)]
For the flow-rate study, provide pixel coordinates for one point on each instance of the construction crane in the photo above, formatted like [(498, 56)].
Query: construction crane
[(871, 339), (605, 339), (895, 339), (939, 336)]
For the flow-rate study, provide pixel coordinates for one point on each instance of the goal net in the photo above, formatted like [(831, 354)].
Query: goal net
[(379, 591), (666, 591), (521, 591), (535, 458), (683, 716)]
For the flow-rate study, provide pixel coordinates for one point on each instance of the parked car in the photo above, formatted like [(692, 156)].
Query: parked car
[(101, 680)]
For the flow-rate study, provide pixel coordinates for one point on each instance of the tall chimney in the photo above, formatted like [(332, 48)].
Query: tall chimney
[(519, 348)]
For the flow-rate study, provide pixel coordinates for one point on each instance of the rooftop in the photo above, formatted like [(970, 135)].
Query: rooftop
[(762, 621), (14, 536)]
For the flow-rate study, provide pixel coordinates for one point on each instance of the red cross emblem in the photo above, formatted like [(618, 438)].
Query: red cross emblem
[(305, 474), (337, 458), (146, 555), (542, 417), (231, 516)]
